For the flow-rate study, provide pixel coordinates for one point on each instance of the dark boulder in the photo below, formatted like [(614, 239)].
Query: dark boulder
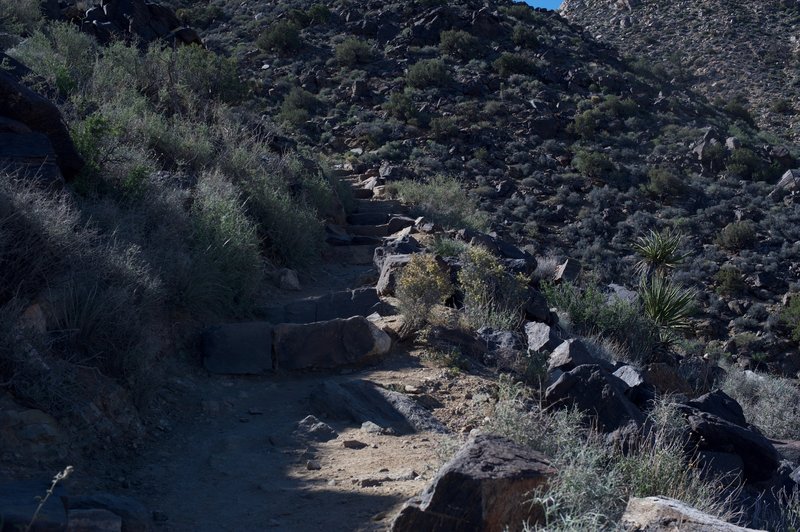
[(486, 486)]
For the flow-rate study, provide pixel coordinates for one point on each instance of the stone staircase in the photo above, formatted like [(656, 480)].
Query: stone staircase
[(329, 329)]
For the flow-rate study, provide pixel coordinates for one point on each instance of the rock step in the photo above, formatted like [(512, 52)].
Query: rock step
[(369, 218), (357, 255), (395, 224), (380, 205), (341, 304), (362, 193), (260, 348)]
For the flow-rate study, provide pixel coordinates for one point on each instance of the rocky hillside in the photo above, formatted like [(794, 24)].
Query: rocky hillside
[(284, 257), (729, 51)]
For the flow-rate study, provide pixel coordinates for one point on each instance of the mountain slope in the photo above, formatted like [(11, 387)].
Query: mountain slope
[(725, 49)]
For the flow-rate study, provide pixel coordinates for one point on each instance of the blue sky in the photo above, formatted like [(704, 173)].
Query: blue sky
[(549, 4)]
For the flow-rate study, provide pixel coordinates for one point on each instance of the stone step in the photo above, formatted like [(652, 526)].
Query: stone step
[(341, 304), (368, 218), (362, 193), (369, 230), (355, 255)]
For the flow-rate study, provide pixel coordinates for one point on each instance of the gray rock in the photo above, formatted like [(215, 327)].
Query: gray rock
[(328, 344), (95, 520), (392, 266), (486, 486), (661, 514), (600, 395), (135, 517), (360, 401), (238, 349), (570, 354), (567, 271), (341, 304), (541, 337), (312, 429)]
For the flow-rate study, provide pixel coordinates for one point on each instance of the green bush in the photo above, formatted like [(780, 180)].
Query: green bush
[(283, 37), (593, 164), (199, 16), (443, 201), (525, 37), (319, 14), (458, 43), (298, 106), (422, 284), (444, 127), (737, 236), (353, 51), (745, 164), (427, 73), (508, 64), (492, 297), (401, 106), (590, 312), (791, 316), (20, 17), (664, 183), (730, 281), (736, 108)]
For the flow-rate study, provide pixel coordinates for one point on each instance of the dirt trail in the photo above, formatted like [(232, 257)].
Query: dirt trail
[(229, 461)]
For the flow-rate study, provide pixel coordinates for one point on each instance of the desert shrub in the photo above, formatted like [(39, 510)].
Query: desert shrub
[(427, 73), (318, 14), (737, 109), (781, 106), (401, 105), (737, 236), (587, 123), (590, 312), (199, 16), (525, 36), (448, 247), (298, 106), (659, 252), (458, 43), (791, 316), (730, 281), (492, 297), (353, 51), (595, 480), (444, 127), (61, 54), (508, 64), (520, 12), (745, 164), (769, 402), (422, 284), (21, 16), (443, 201), (664, 183), (592, 164), (283, 37), (206, 74)]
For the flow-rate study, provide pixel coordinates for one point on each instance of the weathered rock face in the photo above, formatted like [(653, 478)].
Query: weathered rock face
[(328, 344), (661, 514), (33, 138), (142, 20), (486, 486), (599, 394), (238, 349)]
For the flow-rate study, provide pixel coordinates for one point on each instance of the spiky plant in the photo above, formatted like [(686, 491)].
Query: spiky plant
[(667, 304), (659, 252)]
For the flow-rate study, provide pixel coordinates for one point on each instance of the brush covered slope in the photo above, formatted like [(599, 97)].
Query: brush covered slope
[(737, 52), (565, 145)]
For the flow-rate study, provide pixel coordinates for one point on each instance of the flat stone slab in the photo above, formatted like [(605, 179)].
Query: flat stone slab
[(342, 304), (238, 349)]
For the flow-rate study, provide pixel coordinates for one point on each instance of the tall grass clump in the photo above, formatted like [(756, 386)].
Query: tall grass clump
[(492, 297), (591, 312), (769, 402), (595, 480), (443, 200)]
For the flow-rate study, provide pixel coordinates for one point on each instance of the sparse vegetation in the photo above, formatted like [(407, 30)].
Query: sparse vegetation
[(283, 37), (442, 200), (427, 73), (422, 284), (458, 43), (737, 236), (352, 51)]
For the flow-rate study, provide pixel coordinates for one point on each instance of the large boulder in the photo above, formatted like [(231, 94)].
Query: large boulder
[(144, 21), (661, 514), (569, 355), (486, 486), (599, 394), (33, 136), (390, 272), (238, 349), (541, 337), (328, 344)]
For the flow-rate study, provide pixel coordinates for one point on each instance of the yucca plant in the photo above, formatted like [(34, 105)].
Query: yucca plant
[(667, 304), (659, 252)]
